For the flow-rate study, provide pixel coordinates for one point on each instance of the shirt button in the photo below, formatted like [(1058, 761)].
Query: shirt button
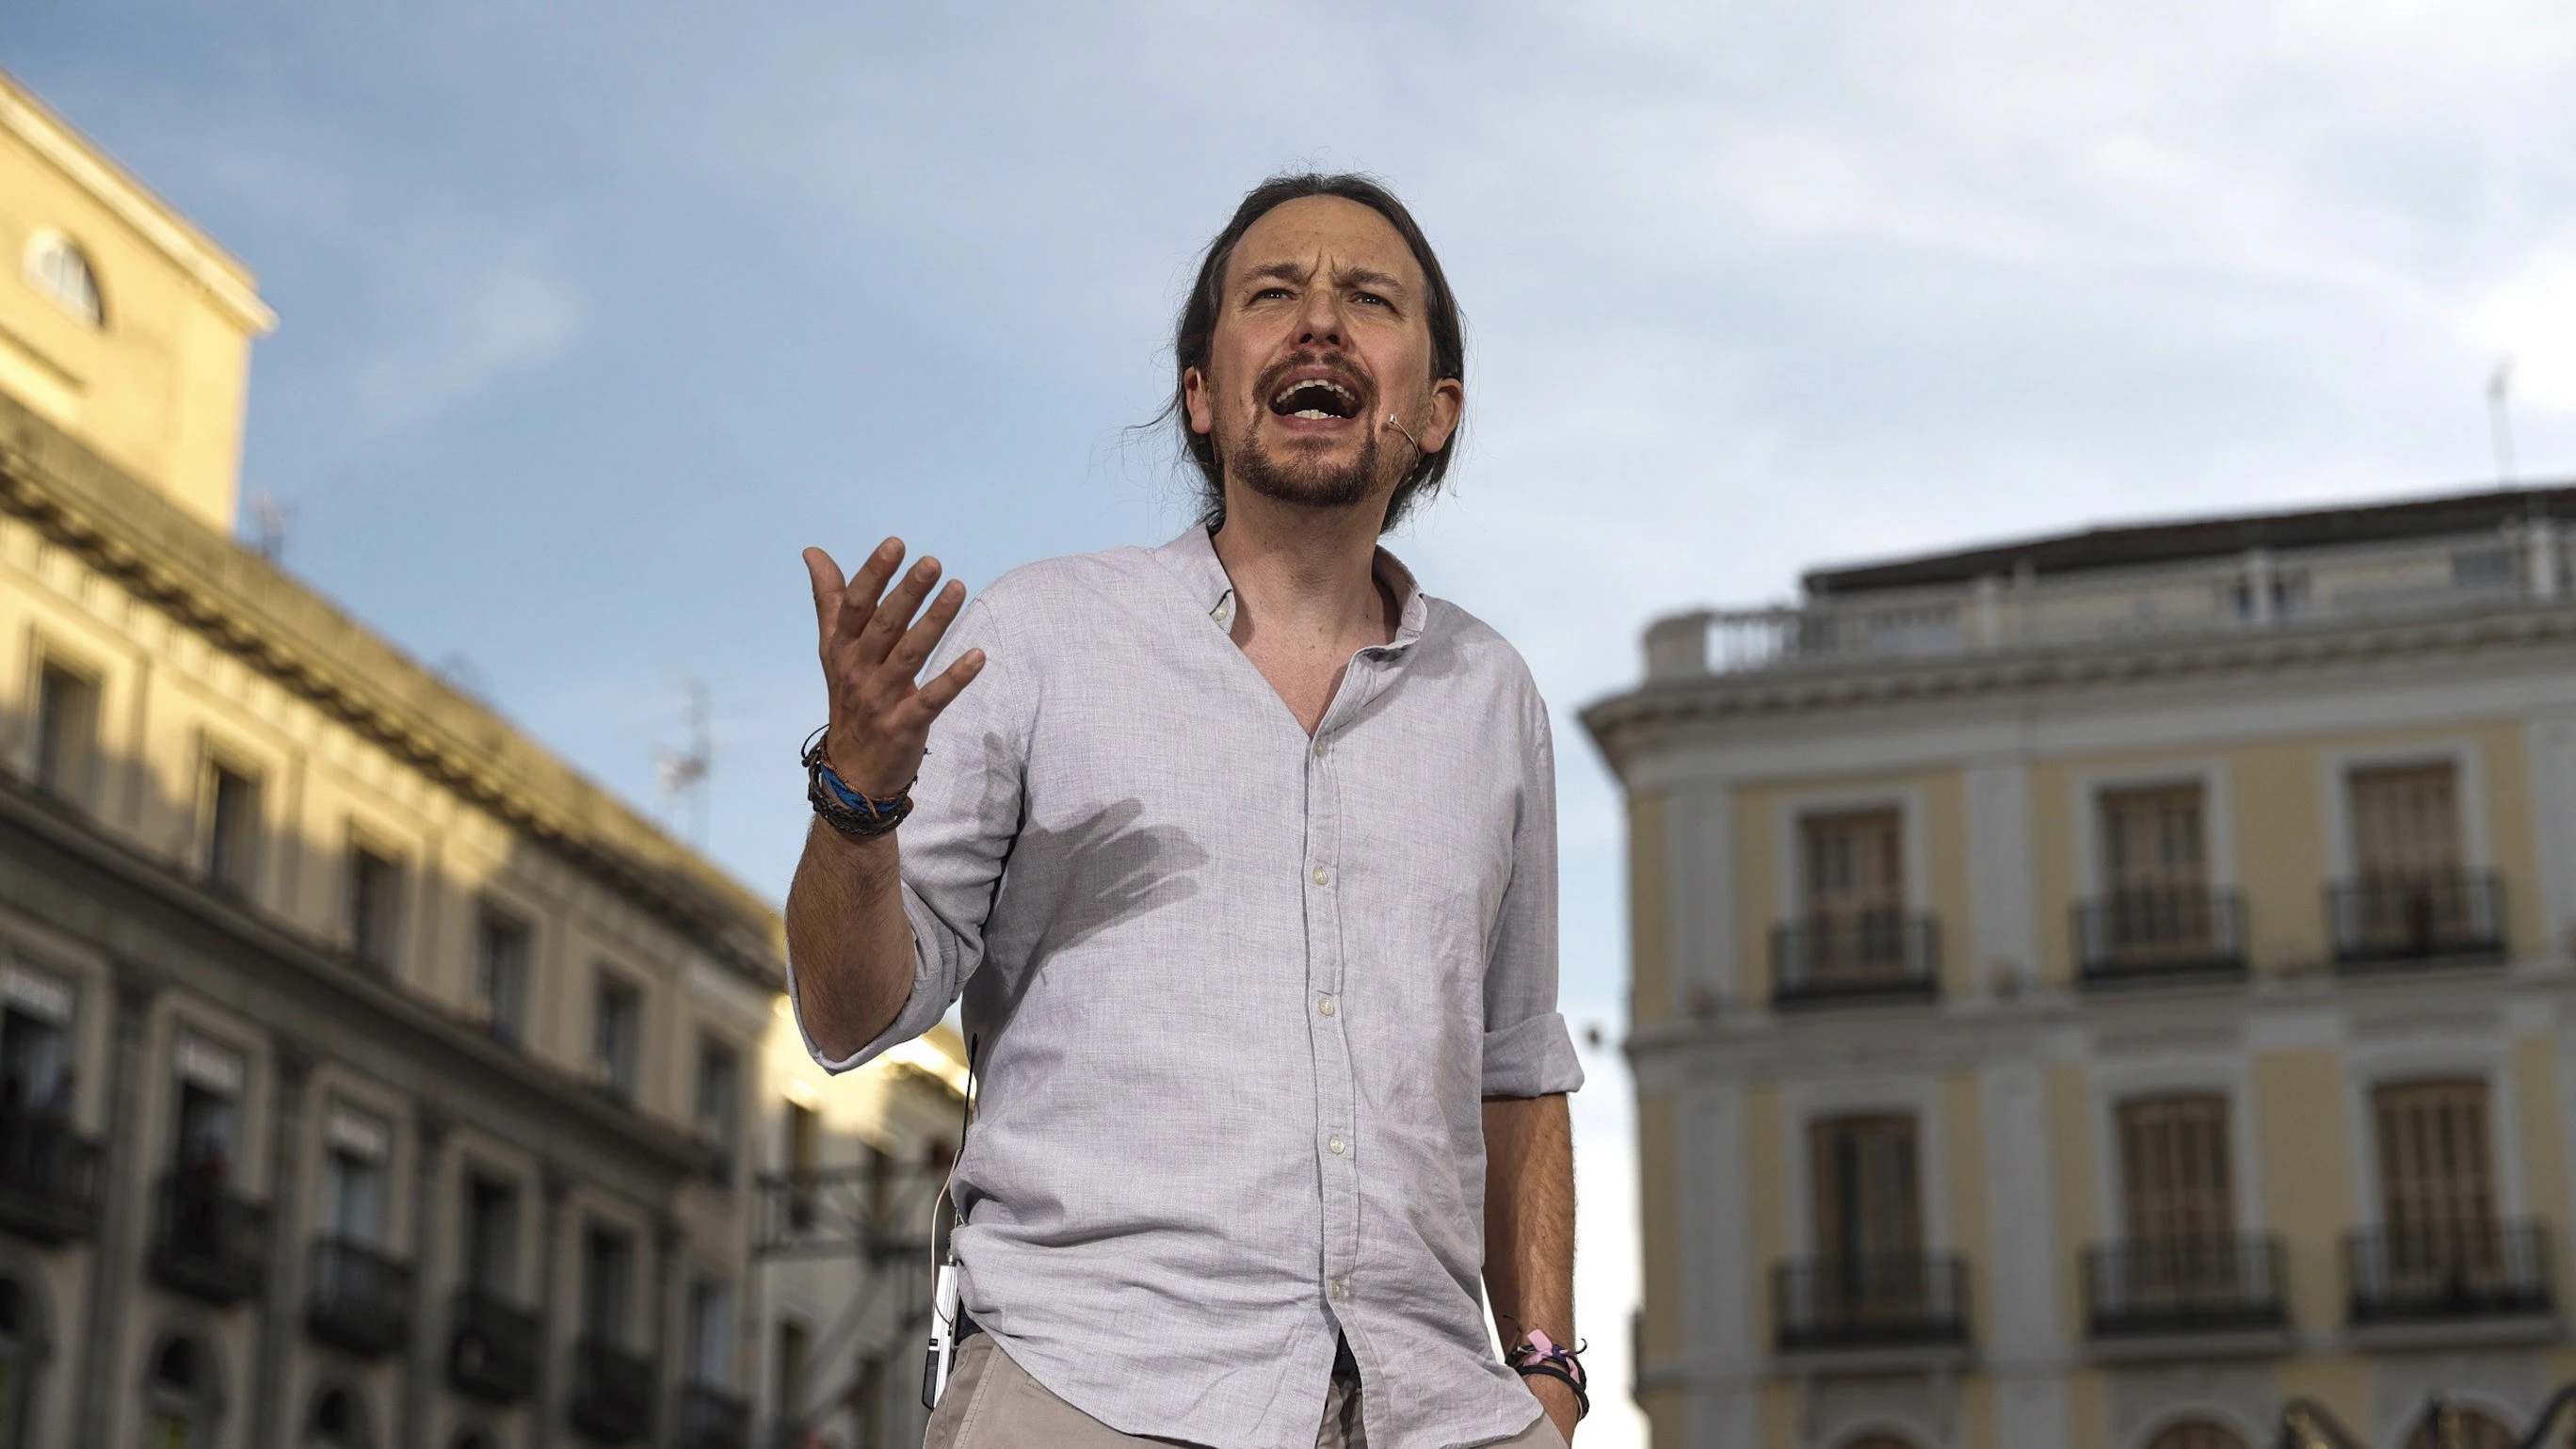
[(1335, 1145), (1325, 1006), (1319, 748), (1337, 1288), (1323, 876)]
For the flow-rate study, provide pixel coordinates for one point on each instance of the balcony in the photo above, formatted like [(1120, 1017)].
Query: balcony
[(360, 1298), (48, 1180), (209, 1243), (2390, 921), (712, 1418), (2464, 1282), (2154, 934), (1886, 1310), (2186, 1297), (612, 1392), (1855, 956), (493, 1352)]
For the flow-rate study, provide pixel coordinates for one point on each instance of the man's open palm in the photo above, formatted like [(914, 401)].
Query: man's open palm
[(873, 649)]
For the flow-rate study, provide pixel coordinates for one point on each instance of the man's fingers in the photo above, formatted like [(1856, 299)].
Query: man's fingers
[(952, 681), (859, 600), (826, 577), (895, 611), (913, 650)]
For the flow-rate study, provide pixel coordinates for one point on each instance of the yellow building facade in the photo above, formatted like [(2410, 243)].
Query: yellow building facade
[(2096, 990), (368, 1078)]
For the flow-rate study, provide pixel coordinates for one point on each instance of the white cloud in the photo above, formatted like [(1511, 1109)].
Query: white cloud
[(507, 309)]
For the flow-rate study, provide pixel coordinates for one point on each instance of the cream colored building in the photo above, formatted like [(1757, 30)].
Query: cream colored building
[(367, 1077), (2092, 990)]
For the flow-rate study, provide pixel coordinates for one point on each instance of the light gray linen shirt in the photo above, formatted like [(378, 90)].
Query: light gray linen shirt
[(1240, 995)]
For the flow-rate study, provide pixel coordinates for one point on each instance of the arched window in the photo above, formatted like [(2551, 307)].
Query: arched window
[(2476, 1431), (338, 1421), (179, 1395), (2197, 1434), (62, 271)]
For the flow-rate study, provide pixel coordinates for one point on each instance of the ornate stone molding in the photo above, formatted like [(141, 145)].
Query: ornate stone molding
[(277, 626), (1625, 724)]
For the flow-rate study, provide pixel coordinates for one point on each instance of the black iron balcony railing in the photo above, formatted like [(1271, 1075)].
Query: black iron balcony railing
[(2390, 919), (2217, 1284), (2449, 1271), (209, 1243), (360, 1298), (1868, 955), (1884, 1300), (2161, 933), (48, 1179), (612, 1392), (713, 1418), (492, 1349)]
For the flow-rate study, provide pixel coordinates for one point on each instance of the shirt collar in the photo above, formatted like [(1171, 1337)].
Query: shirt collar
[(1192, 559)]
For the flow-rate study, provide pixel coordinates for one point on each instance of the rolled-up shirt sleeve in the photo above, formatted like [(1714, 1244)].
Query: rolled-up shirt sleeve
[(1528, 1051), (966, 813)]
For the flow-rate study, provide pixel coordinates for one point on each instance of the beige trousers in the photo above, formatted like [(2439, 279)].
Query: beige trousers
[(992, 1403)]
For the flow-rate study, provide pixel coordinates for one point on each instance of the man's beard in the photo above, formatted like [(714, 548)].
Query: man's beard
[(1267, 475)]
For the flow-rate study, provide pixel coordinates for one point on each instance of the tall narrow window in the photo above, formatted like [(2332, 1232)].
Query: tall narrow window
[(2175, 1177), (802, 1147), (2437, 1190), (2406, 821), (1865, 1188), (209, 1110), (617, 1036), (354, 1175), (2412, 896), (36, 1077), (375, 908), (719, 1086), (607, 1274), (792, 1370), (1868, 1219), (502, 950), (2156, 886), (711, 1333), (232, 834), (66, 730), (491, 1237), (1854, 889)]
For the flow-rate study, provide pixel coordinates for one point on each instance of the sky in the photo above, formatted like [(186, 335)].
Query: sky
[(593, 314)]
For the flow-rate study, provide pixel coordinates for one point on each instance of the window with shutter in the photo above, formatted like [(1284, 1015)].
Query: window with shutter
[(2154, 875), (2437, 1189), (1854, 893)]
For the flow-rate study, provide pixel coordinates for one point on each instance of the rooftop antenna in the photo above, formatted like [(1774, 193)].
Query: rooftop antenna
[(268, 527), (2500, 418), (684, 775)]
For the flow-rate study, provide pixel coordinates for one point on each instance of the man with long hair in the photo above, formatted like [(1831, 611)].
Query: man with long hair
[(1242, 854)]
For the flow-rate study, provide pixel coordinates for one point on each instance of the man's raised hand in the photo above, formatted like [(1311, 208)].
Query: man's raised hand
[(873, 649)]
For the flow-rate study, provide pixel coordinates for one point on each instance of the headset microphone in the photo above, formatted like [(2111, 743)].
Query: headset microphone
[(1408, 433)]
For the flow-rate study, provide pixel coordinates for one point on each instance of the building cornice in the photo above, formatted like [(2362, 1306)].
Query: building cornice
[(218, 272), (250, 609), (1665, 710), (1761, 1044)]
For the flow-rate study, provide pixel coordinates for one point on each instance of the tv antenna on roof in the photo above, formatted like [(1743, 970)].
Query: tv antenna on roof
[(268, 526), (2500, 418), (684, 774)]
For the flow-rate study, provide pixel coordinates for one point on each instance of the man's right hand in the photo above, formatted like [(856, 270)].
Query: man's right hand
[(873, 649)]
